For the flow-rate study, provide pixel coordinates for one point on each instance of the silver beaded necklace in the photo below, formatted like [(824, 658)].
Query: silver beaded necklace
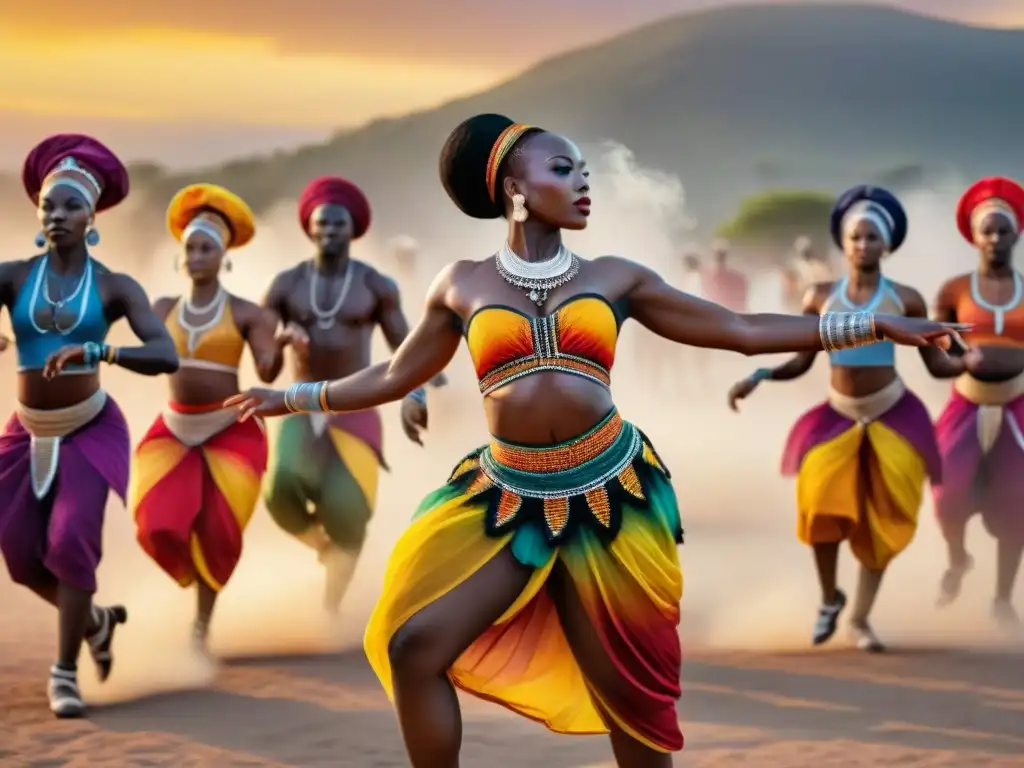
[(537, 277), (326, 319)]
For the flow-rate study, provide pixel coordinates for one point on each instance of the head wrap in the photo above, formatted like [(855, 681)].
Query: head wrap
[(206, 208), (472, 159), (79, 162), (995, 194), (874, 204), (334, 190)]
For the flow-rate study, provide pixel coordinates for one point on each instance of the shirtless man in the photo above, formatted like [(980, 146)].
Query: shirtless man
[(322, 481)]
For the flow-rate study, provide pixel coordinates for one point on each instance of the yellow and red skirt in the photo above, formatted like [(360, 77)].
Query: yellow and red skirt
[(195, 483)]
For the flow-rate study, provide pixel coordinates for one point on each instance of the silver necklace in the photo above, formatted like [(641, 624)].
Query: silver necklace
[(196, 331), (537, 277), (327, 319), (43, 286)]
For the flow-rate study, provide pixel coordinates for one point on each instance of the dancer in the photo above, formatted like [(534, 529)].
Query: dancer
[(66, 446), (862, 457), (544, 575), (329, 307), (723, 284), (980, 429), (404, 251), (196, 475)]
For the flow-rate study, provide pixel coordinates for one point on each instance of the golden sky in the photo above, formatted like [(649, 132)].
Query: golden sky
[(270, 69)]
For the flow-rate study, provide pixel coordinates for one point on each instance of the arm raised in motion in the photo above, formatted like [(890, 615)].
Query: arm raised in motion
[(155, 356), (685, 319), (424, 353), (793, 368)]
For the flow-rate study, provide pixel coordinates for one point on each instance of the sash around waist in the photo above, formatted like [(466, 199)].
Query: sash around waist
[(60, 422), (989, 392), (869, 407)]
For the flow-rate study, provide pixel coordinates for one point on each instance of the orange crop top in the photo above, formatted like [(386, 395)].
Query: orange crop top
[(216, 345), (997, 325), (578, 337)]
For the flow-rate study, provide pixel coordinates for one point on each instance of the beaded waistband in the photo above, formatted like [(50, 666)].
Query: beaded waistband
[(595, 474), (566, 469)]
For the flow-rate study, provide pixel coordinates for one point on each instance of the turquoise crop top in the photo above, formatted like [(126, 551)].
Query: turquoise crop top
[(881, 354), (42, 326)]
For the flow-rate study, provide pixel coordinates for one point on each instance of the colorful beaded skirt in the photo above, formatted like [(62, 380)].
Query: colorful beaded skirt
[(584, 481), (600, 509)]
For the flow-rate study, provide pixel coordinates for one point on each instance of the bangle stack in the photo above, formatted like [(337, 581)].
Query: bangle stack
[(307, 397), (93, 353), (843, 330), (761, 374), (419, 395)]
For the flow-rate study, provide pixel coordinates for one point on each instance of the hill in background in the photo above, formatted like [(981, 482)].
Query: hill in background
[(731, 101)]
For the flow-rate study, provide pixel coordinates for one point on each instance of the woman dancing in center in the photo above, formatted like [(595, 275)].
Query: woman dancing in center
[(66, 446), (196, 475), (861, 458), (544, 575)]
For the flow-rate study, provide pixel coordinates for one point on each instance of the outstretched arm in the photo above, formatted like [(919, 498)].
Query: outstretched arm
[(156, 355), (685, 319)]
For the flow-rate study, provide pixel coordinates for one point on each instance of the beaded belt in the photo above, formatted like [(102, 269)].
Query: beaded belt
[(586, 478)]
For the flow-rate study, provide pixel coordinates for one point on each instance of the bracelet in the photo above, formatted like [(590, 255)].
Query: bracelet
[(761, 374), (306, 397), (92, 353), (419, 395), (844, 330)]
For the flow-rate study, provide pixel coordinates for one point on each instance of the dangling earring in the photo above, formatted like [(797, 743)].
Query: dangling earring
[(177, 263), (92, 237), (227, 263), (40, 240), (519, 212)]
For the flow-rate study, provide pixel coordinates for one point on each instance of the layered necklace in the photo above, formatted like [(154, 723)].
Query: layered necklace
[(537, 277), (42, 285), (186, 307), (327, 318)]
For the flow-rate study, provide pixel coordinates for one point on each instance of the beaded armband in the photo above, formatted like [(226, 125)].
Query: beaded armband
[(307, 397), (843, 330), (419, 395), (761, 374)]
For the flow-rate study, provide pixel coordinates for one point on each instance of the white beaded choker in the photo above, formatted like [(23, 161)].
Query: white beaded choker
[(537, 277)]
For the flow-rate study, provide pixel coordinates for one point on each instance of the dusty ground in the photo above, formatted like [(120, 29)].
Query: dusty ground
[(913, 707)]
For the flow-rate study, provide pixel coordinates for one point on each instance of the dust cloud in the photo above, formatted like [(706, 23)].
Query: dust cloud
[(749, 583)]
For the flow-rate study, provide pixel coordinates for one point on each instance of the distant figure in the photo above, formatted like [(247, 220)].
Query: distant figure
[(805, 270), (724, 285), (404, 250), (693, 279)]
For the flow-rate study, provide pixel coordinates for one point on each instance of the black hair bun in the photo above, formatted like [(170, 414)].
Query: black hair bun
[(463, 165)]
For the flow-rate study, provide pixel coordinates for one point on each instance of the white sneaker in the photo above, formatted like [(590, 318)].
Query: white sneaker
[(828, 619), (866, 638), (62, 691)]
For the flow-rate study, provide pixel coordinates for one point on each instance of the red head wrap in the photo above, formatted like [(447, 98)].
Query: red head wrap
[(98, 163), (995, 190), (334, 190)]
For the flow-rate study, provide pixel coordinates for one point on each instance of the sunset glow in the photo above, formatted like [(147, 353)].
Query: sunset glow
[(178, 75)]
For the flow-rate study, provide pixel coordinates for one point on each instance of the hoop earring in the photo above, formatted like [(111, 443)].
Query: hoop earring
[(178, 263), (227, 263), (519, 212), (92, 237), (40, 240)]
